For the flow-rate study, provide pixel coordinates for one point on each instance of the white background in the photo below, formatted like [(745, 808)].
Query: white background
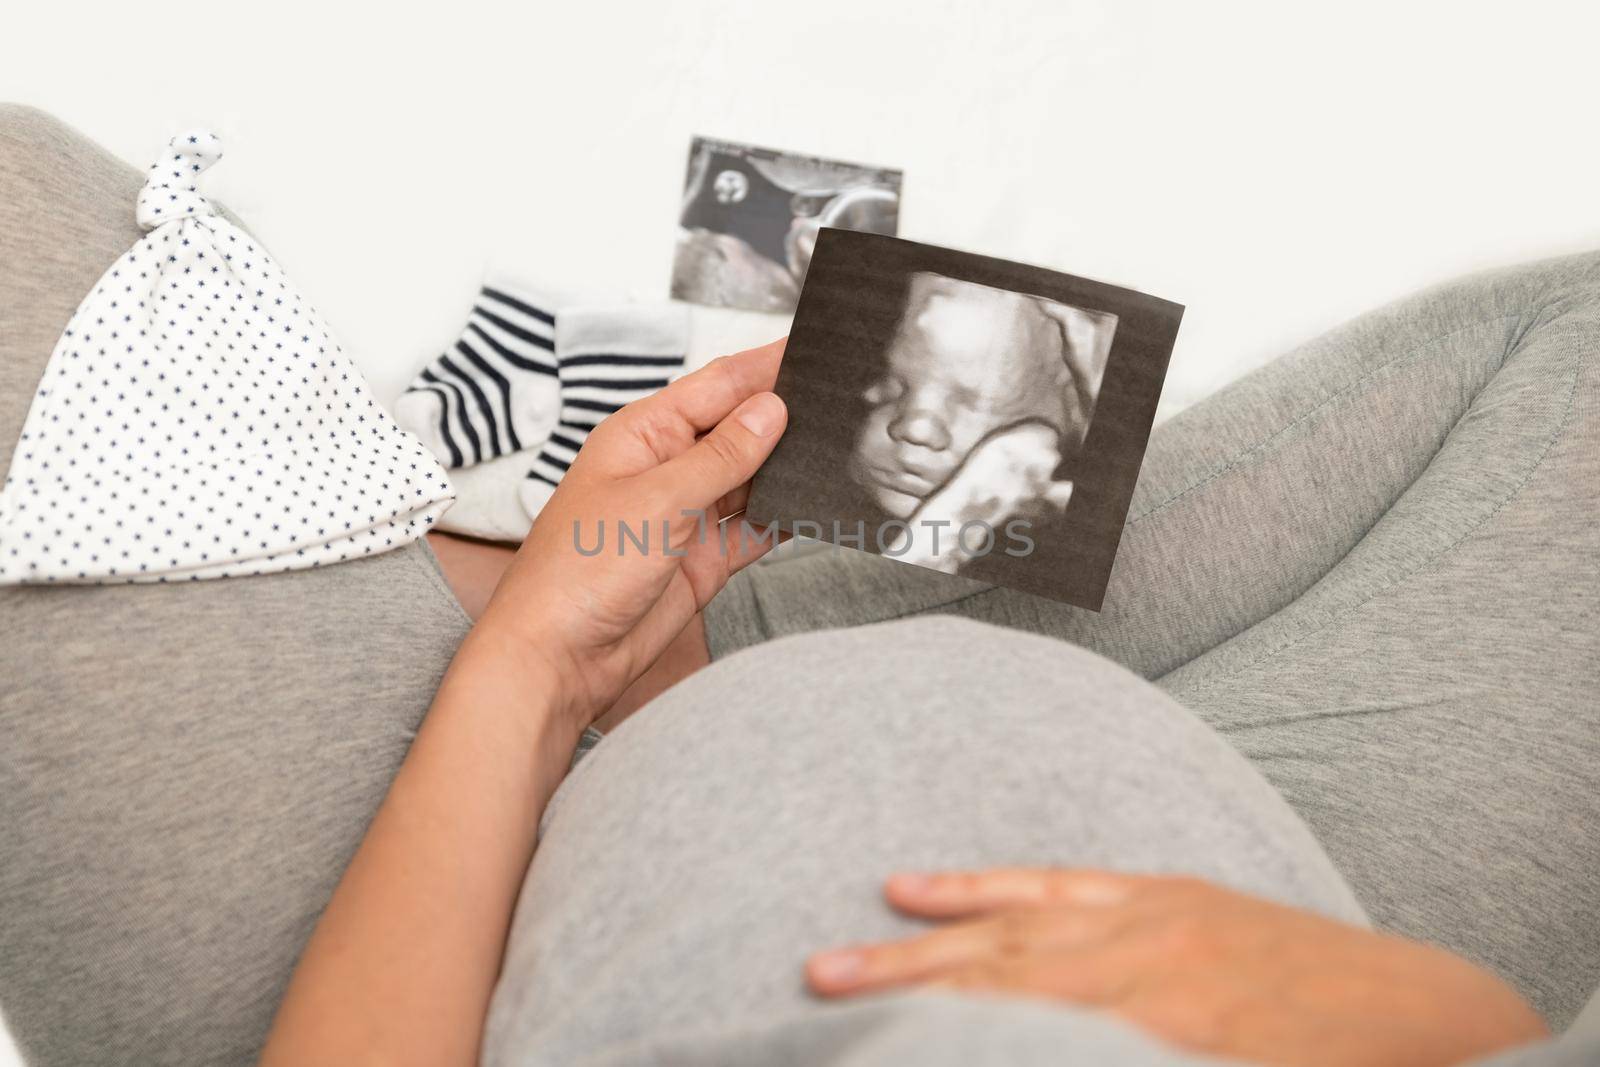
[(1276, 166)]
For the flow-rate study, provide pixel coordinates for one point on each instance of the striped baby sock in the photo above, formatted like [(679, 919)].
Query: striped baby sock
[(495, 391), (606, 357)]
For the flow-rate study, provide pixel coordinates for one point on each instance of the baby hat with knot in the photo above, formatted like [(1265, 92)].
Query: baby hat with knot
[(198, 420)]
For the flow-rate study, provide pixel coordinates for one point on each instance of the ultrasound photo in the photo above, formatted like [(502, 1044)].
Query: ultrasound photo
[(965, 414), (751, 217)]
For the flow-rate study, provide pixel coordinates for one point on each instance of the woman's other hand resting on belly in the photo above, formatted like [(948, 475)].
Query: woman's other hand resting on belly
[(1200, 966), (402, 964)]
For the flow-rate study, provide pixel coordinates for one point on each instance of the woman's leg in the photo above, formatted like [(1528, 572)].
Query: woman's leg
[(185, 769), (1244, 502), (748, 817), (1430, 705)]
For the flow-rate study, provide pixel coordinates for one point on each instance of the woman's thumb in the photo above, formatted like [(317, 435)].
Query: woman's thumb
[(729, 455)]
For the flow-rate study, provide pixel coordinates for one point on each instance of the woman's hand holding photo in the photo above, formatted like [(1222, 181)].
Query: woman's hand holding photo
[(631, 546), (401, 966)]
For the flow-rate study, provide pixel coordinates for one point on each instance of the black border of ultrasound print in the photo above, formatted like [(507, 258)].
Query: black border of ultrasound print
[(847, 312)]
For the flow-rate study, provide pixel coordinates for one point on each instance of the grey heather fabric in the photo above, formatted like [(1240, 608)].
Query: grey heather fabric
[(749, 816), (667, 912), (185, 770), (1374, 567)]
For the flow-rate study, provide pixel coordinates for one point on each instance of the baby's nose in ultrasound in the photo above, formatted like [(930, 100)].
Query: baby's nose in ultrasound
[(921, 426)]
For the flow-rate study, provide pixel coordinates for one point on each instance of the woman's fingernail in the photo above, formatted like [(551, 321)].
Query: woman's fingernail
[(913, 884), (836, 967), (761, 414)]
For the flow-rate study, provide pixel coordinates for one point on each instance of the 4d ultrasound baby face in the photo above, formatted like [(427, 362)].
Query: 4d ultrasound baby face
[(969, 361)]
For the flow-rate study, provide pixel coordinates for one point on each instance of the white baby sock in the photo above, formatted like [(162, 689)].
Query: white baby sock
[(495, 391), (606, 357)]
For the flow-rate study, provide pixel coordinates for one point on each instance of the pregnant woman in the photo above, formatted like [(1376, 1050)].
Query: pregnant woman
[(1319, 786)]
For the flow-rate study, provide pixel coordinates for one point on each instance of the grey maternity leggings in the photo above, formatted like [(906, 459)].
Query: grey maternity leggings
[(1365, 575)]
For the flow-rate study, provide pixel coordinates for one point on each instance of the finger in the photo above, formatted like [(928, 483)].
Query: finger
[(981, 976), (697, 402), (726, 457), (1078, 981), (865, 967), (1008, 935), (960, 893)]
